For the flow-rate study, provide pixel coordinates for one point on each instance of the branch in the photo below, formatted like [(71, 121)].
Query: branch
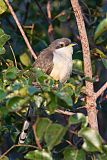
[(21, 29), (17, 145), (64, 112), (101, 90), (50, 27), (90, 98), (36, 138)]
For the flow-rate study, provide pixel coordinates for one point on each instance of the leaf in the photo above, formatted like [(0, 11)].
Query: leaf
[(103, 156), (54, 135), (52, 105), (78, 66), (2, 50), (78, 118), (25, 59), (22, 92), (92, 140), (32, 90), (4, 158), (3, 38), (101, 28), (14, 102), (41, 126), (38, 155), (2, 7), (11, 73), (104, 62), (66, 97), (2, 94), (73, 154), (40, 75), (99, 53)]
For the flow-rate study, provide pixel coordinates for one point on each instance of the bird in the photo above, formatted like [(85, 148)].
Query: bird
[(56, 60)]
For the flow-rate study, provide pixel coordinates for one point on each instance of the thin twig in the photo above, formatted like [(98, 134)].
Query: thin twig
[(64, 112), (90, 98), (50, 27), (36, 138), (41, 10), (101, 90), (17, 145), (15, 62), (21, 29)]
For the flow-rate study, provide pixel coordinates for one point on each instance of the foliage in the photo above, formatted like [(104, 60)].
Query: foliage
[(66, 137)]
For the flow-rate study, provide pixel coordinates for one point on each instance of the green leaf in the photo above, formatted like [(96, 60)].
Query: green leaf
[(11, 73), (54, 135), (103, 156), (5, 158), (52, 105), (78, 66), (78, 118), (66, 97), (104, 62), (3, 38), (2, 94), (40, 75), (25, 59), (41, 126), (38, 155), (73, 154), (99, 53), (101, 28), (2, 50), (2, 7), (92, 140), (32, 90), (16, 102)]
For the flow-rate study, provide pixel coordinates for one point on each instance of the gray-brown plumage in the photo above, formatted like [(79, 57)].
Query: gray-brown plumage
[(45, 58), (56, 60)]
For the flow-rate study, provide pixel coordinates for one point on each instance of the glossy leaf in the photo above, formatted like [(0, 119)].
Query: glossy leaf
[(2, 94), (16, 102), (3, 38), (99, 53), (101, 28), (41, 125), (92, 140), (2, 50), (54, 135), (2, 7), (11, 73), (52, 105), (65, 96), (32, 90), (78, 65), (78, 118), (5, 158), (25, 59), (38, 155), (73, 154)]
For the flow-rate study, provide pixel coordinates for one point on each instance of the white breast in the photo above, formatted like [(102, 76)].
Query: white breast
[(62, 64)]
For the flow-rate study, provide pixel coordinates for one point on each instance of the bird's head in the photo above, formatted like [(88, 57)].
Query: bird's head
[(62, 45)]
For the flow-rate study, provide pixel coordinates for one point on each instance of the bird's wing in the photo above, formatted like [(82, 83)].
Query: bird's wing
[(45, 61)]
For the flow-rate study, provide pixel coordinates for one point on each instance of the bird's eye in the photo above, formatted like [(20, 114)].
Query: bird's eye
[(62, 44)]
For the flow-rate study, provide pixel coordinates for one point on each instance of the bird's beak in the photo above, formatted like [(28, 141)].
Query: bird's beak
[(72, 44)]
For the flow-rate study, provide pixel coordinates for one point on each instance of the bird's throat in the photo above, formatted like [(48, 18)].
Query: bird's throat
[(62, 68)]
